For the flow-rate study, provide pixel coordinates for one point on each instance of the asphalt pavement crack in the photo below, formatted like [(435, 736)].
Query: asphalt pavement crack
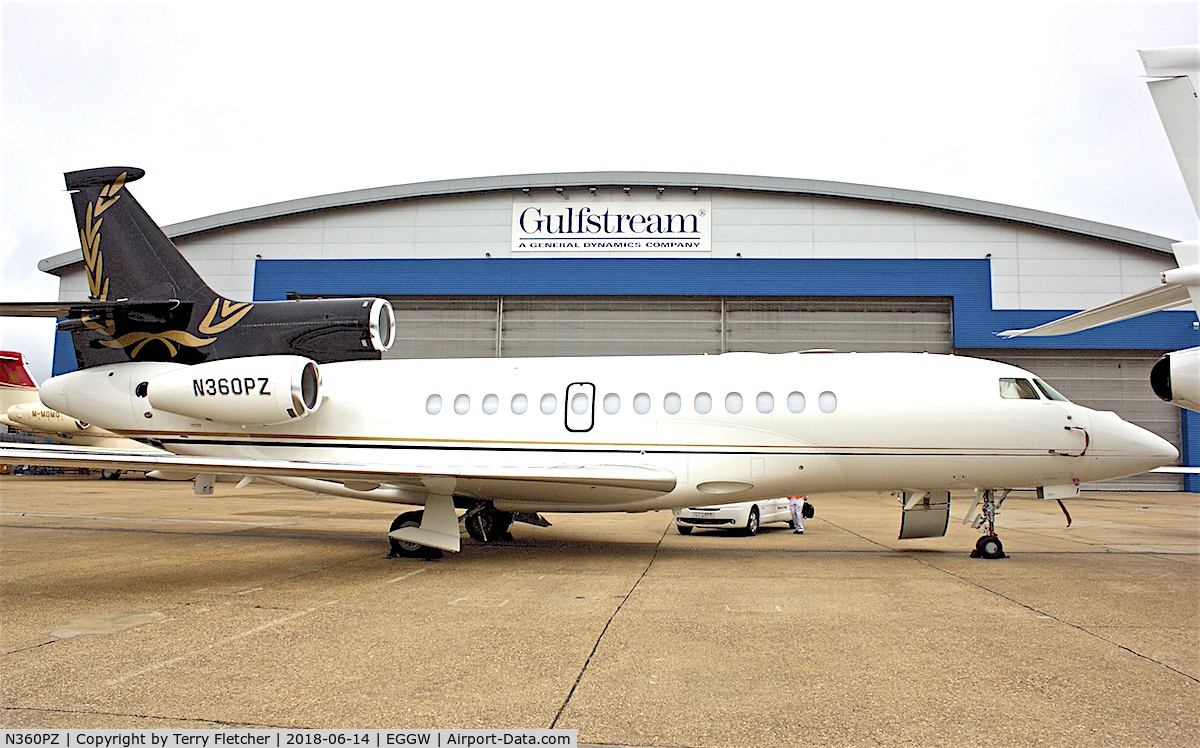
[(603, 631)]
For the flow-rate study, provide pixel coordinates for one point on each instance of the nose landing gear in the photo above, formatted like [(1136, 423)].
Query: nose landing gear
[(989, 546)]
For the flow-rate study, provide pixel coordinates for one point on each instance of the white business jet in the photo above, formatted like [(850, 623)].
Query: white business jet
[(22, 410), (295, 392)]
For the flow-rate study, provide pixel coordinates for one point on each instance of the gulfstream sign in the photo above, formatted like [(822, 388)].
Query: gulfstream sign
[(619, 226)]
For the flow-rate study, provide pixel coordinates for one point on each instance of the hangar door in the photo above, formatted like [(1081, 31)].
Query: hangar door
[(1107, 380), (592, 326)]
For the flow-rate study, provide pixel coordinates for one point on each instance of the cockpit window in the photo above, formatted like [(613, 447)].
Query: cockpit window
[(1050, 392), (1017, 389)]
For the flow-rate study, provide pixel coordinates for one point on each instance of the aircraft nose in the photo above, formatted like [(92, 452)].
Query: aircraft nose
[(1125, 449), (53, 393)]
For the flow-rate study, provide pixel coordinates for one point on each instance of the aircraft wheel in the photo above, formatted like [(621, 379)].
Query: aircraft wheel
[(489, 525), (479, 526), (990, 547), (405, 549), (504, 522), (106, 474), (752, 521), (684, 529)]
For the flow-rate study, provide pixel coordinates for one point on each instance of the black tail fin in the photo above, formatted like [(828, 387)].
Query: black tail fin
[(148, 304), (125, 253)]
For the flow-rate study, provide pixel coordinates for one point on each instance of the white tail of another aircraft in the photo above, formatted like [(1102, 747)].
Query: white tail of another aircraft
[(1178, 69), (1176, 377)]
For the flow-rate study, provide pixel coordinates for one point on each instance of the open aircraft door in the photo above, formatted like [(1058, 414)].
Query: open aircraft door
[(581, 406), (925, 515)]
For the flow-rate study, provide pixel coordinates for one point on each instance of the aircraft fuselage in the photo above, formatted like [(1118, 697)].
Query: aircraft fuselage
[(733, 427)]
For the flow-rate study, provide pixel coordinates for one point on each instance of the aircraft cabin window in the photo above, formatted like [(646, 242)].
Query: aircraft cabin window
[(549, 403), (462, 404), (520, 404), (796, 402), (672, 403), (733, 402), (765, 402), (579, 404), (703, 403), (491, 404), (641, 403), (827, 402), (433, 405), (1017, 389), (612, 403), (1050, 392)]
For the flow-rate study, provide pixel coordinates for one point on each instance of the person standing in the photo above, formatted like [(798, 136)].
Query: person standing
[(796, 505)]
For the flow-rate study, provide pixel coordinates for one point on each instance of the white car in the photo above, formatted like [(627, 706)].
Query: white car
[(746, 516)]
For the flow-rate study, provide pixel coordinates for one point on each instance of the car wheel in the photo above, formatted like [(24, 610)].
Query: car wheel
[(684, 529), (752, 521)]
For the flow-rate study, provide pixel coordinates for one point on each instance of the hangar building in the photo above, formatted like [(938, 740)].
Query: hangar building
[(621, 263)]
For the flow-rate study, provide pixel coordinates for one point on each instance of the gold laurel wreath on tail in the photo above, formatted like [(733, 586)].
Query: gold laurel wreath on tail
[(139, 340), (222, 315), (89, 238), (230, 312)]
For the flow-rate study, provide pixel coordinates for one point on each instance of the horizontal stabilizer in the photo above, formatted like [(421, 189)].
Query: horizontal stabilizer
[(76, 309), (1152, 300)]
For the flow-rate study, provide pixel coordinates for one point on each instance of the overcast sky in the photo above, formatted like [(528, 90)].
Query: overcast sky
[(233, 105)]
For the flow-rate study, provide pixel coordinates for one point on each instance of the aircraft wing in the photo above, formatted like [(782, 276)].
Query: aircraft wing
[(542, 484), (1152, 300)]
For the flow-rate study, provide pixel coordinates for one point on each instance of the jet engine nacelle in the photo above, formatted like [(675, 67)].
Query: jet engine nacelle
[(37, 417), (1176, 378), (254, 390)]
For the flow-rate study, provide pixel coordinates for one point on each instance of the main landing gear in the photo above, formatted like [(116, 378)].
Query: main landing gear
[(405, 548), (487, 524), (989, 546), (483, 522)]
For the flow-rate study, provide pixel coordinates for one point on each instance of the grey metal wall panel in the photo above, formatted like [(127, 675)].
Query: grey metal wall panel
[(599, 327), (864, 325), (640, 326), (444, 328)]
